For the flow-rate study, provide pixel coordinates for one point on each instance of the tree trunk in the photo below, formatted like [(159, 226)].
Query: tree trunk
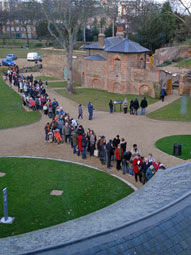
[(69, 55), (113, 27), (84, 33), (27, 36)]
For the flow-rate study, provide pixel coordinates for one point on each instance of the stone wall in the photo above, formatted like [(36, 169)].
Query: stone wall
[(164, 54), (120, 73), (53, 65)]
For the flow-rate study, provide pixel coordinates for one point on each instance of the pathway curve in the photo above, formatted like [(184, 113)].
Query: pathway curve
[(29, 140)]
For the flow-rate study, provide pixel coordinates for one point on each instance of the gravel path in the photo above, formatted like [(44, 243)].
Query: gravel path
[(29, 140)]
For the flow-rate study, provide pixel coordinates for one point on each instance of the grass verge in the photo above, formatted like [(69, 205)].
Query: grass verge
[(186, 63), (166, 144), (30, 181), (12, 113), (173, 111), (46, 78), (99, 98), (61, 84)]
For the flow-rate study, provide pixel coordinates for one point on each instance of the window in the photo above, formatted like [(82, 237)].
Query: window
[(116, 65), (17, 29)]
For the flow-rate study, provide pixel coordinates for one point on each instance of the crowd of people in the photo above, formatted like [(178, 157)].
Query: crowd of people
[(33, 92), (63, 129)]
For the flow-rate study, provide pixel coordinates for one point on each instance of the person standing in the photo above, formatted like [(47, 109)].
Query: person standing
[(47, 130), (137, 162), (109, 153), (90, 110), (118, 156), (131, 107), (125, 105), (80, 111), (74, 140), (162, 94), (110, 106), (92, 142), (144, 105), (80, 148), (136, 106), (84, 145)]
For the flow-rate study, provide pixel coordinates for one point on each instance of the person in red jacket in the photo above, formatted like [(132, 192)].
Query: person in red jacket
[(137, 162), (79, 144), (118, 156)]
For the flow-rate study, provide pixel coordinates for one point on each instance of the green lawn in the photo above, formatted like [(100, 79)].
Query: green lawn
[(61, 84), (22, 53), (173, 112), (99, 98), (30, 181), (12, 114), (46, 78), (166, 144), (185, 63)]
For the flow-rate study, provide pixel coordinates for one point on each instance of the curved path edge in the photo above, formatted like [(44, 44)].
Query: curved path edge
[(170, 187)]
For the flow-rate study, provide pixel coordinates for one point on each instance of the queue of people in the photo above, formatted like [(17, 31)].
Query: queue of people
[(33, 92), (63, 129)]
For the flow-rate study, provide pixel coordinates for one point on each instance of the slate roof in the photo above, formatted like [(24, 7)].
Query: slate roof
[(96, 57), (118, 44)]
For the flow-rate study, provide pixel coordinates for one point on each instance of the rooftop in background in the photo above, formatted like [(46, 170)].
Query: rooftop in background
[(118, 44), (96, 57)]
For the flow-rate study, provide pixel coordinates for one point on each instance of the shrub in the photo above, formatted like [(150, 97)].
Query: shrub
[(166, 63), (38, 45)]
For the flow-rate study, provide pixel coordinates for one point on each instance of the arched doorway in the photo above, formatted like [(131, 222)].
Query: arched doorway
[(116, 87), (96, 84)]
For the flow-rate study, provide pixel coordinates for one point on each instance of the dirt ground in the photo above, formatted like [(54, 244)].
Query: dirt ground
[(30, 140)]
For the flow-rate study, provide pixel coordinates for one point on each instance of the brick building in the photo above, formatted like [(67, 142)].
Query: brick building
[(119, 65)]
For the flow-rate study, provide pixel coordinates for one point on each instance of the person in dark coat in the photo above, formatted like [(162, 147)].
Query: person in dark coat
[(84, 146), (80, 130), (111, 106), (144, 105), (131, 107), (125, 162), (162, 94), (90, 110), (146, 164), (80, 111), (136, 106), (116, 141), (109, 153)]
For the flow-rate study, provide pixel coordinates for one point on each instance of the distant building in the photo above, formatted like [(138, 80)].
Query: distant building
[(13, 27)]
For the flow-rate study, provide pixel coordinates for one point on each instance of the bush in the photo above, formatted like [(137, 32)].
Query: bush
[(166, 63), (178, 59), (38, 45)]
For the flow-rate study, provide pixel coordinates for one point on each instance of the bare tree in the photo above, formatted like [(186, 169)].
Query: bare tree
[(137, 11), (3, 22), (182, 11), (111, 9), (28, 13), (64, 19)]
